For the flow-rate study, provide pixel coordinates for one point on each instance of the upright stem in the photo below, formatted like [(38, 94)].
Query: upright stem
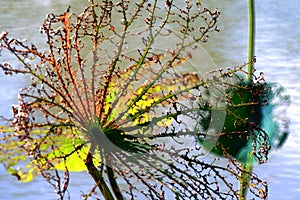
[(245, 177), (114, 184), (97, 176), (251, 36), (247, 167)]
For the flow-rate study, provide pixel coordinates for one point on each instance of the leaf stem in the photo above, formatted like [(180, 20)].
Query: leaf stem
[(114, 184), (247, 167), (98, 178), (245, 177), (251, 36)]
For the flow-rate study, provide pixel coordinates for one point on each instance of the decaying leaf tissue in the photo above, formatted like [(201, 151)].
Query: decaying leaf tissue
[(117, 93)]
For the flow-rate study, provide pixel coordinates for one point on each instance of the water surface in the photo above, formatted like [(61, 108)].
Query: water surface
[(278, 56)]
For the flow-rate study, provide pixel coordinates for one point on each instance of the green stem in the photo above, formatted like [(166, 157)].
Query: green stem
[(251, 36), (98, 178), (245, 177), (247, 167), (114, 184)]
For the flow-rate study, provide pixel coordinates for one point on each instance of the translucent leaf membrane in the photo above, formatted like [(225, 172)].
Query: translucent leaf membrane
[(124, 104)]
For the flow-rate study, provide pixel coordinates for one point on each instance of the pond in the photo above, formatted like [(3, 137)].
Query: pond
[(278, 56)]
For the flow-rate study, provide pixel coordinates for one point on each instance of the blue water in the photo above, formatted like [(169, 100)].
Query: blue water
[(278, 40), (278, 56)]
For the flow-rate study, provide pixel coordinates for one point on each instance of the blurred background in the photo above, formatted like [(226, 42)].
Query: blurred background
[(278, 56)]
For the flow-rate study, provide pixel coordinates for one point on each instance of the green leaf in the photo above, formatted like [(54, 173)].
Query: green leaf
[(63, 150), (244, 109), (67, 155)]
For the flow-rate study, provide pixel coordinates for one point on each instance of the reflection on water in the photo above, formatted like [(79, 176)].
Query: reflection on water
[(278, 56)]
